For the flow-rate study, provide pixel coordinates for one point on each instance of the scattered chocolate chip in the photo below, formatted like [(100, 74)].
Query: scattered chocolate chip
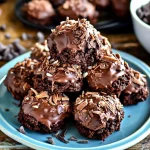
[(7, 36), (24, 36), (83, 141), (40, 37), (63, 133), (6, 109), (60, 138), (72, 138), (20, 48), (144, 13), (21, 130), (3, 27), (16, 116), (129, 116), (50, 141)]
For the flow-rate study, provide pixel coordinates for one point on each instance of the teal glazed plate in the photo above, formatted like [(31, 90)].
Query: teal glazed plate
[(134, 127)]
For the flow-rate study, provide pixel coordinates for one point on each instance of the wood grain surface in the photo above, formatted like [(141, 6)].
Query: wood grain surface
[(123, 41)]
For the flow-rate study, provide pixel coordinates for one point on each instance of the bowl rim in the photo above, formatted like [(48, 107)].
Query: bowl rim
[(135, 16)]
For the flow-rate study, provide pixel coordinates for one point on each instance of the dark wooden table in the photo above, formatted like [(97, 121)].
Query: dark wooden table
[(123, 41)]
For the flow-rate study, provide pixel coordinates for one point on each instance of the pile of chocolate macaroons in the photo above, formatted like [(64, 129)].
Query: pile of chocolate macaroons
[(74, 72)]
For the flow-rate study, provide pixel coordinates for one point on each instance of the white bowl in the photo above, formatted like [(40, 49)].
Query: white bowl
[(141, 29)]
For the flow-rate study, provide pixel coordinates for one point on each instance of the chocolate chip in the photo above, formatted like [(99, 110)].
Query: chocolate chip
[(20, 48), (21, 130), (6, 52), (60, 138), (72, 138), (7, 36), (50, 141), (10, 56), (40, 37), (24, 36), (129, 116), (83, 141), (63, 133), (3, 27), (6, 109)]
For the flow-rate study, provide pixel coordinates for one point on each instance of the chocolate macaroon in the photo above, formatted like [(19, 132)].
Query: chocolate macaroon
[(39, 11), (97, 116), (136, 91), (110, 75), (77, 42), (75, 9), (53, 77), (40, 51), (43, 112), (19, 78)]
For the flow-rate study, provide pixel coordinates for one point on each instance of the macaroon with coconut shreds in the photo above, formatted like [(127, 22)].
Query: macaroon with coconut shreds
[(44, 112), (97, 115)]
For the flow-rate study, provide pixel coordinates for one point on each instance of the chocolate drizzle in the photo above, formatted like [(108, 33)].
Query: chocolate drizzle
[(77, 36), (19, 78), (138, 81), (46, 109), (108, 70), (93, 110), (55, 73)]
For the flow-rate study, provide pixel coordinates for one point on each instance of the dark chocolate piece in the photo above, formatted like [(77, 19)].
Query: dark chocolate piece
[(144, 13), (24, 36), (7, 35), (43, 112), (40, 37), (6, 109), (83, 141), (3, 27), (96, 115), (60, 138)]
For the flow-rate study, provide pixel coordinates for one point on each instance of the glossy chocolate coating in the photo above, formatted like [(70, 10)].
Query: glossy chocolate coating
[(106, 72), (138, 81), (93, 110), (60, 78), (80, 41), (19, 78), (46, 109)]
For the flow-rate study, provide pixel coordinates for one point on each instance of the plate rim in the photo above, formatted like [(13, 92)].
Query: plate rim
[(127, 142)]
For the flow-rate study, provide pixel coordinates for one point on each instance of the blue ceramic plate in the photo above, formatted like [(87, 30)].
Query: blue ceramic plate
[(133, 128)]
